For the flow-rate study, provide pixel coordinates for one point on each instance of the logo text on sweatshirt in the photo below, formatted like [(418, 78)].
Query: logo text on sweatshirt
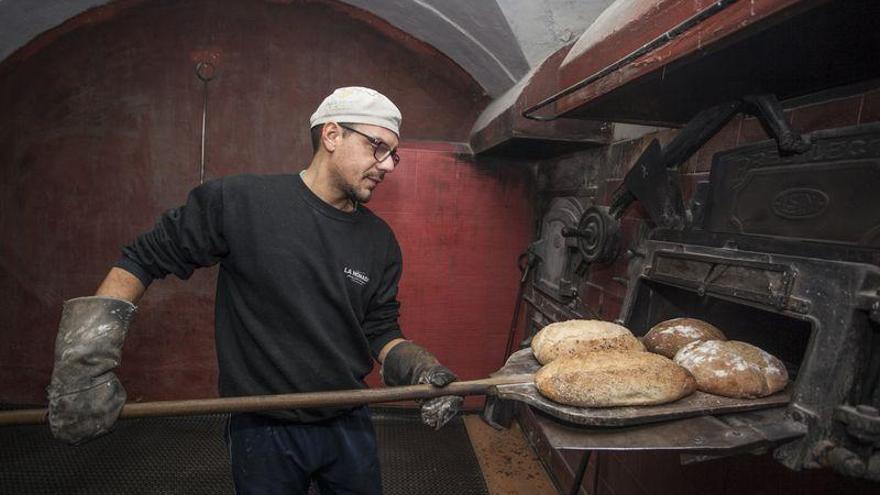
[(356, 276)]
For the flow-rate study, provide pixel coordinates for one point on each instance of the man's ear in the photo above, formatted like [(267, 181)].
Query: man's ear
[(331, 133)]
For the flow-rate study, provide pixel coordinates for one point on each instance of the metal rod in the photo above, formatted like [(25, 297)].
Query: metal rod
[(579, 475), (205, 72), (596, 478), (284, 401), (508, 348), (651, 45), (204, 125)]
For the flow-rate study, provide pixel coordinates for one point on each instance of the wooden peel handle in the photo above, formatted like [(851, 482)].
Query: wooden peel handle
[(283, 401)]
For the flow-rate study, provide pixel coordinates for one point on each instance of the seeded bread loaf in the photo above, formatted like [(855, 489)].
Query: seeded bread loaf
[(575, 337), (668, 337), (614, 378), (733, 368)]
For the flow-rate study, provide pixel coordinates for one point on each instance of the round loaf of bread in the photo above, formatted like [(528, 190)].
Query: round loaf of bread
[(614, 378), (575, 337), (668, 337), (733, 368)]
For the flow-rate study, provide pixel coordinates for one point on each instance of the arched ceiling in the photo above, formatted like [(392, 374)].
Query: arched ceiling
[(496, 41)]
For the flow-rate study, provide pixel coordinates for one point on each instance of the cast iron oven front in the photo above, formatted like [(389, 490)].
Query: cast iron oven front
[(780, 250), (814, 314)]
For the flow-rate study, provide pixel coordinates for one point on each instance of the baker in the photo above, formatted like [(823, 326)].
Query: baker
[(306, 299)]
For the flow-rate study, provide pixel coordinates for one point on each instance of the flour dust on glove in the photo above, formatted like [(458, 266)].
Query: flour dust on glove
[(410, 364), (85, 396)]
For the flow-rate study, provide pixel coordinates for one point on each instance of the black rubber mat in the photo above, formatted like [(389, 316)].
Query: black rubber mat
[(187, 455), (418, 460)]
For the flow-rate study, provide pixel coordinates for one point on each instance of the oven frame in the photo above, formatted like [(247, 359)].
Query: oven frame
[(838, 298)]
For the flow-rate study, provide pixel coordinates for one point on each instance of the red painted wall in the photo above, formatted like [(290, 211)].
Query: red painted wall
[(461, 227), (100, 134)]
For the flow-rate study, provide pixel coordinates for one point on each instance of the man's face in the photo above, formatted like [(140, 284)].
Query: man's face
[(357, 167)]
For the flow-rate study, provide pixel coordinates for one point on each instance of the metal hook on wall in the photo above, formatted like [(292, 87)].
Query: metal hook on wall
[(205, 72)]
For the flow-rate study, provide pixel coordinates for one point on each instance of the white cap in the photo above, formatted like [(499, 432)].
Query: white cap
[(357, 105)]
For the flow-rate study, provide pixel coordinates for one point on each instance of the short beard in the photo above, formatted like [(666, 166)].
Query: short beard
[(351, 192), (353, 196)]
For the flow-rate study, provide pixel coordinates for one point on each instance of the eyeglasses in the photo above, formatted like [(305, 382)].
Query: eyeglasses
[(381, 151)]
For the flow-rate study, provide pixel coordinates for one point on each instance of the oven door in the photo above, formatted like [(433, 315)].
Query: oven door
[(813, 314)]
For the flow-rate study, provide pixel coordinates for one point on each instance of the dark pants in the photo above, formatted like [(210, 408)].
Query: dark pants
[(270, 456)]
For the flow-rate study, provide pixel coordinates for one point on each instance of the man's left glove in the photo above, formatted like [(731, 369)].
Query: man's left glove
[(85, 397), (408, 364)]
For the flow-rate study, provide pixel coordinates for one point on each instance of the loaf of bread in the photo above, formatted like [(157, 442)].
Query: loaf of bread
[(668, 337), (614, 378), (575, 337), (733, 368)]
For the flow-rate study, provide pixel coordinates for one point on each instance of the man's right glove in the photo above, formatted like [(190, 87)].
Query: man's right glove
[(409, 364), (85, 397)]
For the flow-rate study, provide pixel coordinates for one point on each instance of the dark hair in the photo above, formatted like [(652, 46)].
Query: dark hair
[(316, 135)]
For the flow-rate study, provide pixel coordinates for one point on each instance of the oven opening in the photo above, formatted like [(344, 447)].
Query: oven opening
[(785, 337)]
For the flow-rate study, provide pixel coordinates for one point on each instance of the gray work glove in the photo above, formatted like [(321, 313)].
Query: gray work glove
[(408, 364), (85, 397)]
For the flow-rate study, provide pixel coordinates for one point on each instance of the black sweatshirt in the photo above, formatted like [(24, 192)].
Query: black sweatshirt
[(306, 294)]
